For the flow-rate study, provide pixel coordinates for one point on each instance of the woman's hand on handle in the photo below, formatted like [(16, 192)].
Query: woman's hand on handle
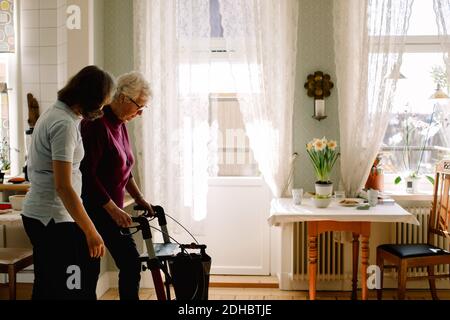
[(120, 217), (134, 191), (145, 205)]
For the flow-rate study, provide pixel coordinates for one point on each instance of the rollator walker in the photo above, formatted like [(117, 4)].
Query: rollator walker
[(187, 272)]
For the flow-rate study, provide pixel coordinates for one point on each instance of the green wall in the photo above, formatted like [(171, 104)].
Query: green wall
[(118, 36), (117, 50), (315, 52), (99, 53)]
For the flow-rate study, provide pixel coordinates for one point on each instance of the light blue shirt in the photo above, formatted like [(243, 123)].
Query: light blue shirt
[(55, 137)]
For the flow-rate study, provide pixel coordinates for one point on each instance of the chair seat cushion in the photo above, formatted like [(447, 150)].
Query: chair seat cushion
[(413, 250), (13, 255)]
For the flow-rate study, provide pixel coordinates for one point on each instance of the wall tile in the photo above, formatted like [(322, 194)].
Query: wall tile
[(49, 74), (47, 18), (30, 55), (48, 4), (30, 18), (29, 4), (48, 55), (49, 92), (30, 74), (30, 37), (48, 37)]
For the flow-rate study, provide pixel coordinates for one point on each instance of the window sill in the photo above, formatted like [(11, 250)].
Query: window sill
[(398, 191), (421, 196), (235, 181)]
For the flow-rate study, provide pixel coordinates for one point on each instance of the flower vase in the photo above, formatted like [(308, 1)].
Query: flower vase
[(412, 184), (324, 188)]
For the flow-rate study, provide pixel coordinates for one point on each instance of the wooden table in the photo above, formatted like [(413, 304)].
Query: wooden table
[(14, 218), (20, 187), (8, 189), (337, 218)]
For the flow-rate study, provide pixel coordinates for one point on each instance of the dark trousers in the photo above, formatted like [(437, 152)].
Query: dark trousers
[(63, 269), (123, 250)]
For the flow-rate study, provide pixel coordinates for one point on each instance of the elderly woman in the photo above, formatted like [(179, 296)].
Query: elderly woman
[(60, 230), (106, 170)]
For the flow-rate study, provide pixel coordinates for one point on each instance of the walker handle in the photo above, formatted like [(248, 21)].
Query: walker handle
[(159, 213)]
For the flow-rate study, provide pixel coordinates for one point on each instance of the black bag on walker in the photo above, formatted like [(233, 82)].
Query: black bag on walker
[(190, 273)]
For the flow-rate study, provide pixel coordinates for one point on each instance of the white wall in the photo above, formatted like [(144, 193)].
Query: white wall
[(39, 51), (50, 52)]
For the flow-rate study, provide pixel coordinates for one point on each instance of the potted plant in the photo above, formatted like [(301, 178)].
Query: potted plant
[(415, 132), (376, 177), (5, 163), (323, 154)]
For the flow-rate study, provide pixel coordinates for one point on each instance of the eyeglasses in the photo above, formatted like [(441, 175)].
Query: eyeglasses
[(137, 105)]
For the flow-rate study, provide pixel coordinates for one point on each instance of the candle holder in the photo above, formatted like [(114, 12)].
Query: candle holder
[(318, 86)]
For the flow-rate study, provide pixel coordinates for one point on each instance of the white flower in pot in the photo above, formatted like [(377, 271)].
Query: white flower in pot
[(323, 154)]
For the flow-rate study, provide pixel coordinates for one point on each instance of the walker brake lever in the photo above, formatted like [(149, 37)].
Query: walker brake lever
[(127, 232)]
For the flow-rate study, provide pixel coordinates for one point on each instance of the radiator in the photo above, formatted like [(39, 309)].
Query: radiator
[(334, 265), (330, 264)]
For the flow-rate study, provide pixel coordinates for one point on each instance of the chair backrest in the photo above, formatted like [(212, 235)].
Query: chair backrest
[(438, 222)]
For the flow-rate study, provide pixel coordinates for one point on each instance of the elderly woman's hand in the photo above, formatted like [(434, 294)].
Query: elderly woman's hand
[(144, 204), (120, 217)]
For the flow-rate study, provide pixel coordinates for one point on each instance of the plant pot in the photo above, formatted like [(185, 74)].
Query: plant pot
[(412, 184), (322, 203), (2, 177), (375, 181), (324, 188)]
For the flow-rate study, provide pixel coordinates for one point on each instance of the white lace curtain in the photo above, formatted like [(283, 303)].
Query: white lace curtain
[(442, 11), (173, 49), (263, 36), (172, 138), (369, 42)]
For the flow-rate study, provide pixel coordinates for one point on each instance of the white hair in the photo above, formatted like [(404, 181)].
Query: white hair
[(133, 85)]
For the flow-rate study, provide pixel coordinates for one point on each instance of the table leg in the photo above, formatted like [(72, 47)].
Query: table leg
[(312, 258), (4, 237), (355, 258), (364, 263)]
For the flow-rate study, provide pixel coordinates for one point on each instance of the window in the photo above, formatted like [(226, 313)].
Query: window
[(235, 157), (417, 136), (211, 74)]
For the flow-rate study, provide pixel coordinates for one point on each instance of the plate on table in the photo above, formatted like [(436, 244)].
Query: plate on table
[(17, 180), (350, 202)]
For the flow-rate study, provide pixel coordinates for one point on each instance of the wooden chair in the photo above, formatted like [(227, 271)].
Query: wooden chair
[(405, 256), (13, 260)]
